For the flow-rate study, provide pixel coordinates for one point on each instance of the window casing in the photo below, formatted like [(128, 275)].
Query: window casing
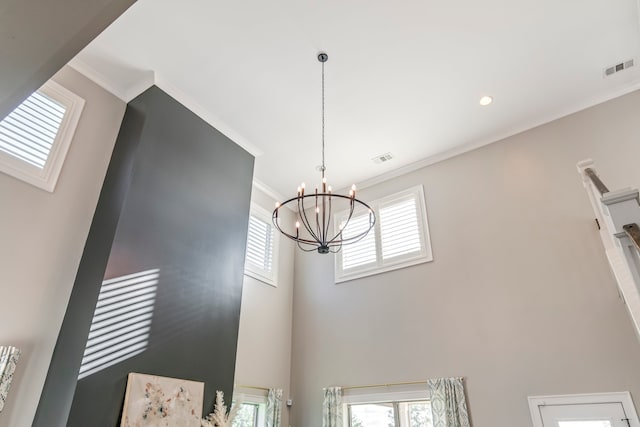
[(35, 137), (399, 239), (261, 261)]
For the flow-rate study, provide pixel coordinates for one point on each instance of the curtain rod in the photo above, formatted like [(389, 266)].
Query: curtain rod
[(390, 384), (384, 385), (253, 387)]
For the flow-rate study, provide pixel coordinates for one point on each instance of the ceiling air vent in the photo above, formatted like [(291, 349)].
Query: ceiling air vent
[(382, 158), (609, 71)]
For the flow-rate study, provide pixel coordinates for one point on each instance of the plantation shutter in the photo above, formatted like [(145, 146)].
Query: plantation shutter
[(28, 133), (400, 229), (360, 253), (260, 245)]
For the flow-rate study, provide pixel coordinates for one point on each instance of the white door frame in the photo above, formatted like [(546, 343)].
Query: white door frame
[(624, 397)]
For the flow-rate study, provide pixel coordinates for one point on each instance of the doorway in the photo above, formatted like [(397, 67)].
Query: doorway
[(584, 410)]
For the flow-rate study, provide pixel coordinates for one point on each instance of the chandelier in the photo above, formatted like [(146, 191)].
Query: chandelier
[(316, 209)]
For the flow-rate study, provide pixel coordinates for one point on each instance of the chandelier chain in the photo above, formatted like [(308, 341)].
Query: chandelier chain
[(323, 167)]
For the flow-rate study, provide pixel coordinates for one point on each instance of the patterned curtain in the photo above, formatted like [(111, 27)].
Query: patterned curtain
[(448, 404), (8, 358), (332, 407), (274, 407)]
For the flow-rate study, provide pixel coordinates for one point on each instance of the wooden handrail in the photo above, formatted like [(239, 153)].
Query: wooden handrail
[(596, 181), (633, 231)]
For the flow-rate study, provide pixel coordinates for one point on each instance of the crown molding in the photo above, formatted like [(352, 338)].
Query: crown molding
[(150, 78), (427, 161), (206, 115), (124, 92)]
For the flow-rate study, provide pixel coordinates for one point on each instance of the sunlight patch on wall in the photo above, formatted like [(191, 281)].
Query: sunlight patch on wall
[(121, 321)]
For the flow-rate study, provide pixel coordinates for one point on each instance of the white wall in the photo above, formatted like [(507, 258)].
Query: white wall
[(519, 299), (264, 338), (42, 239)]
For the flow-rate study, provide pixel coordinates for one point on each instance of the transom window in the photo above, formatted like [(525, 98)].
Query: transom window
[(400, 237), (35, 137), (262, 247), (390, 414)]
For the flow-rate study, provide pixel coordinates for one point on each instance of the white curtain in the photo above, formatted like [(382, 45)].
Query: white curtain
[(448, 403), (8, 358), (274, 407), (332, 407)]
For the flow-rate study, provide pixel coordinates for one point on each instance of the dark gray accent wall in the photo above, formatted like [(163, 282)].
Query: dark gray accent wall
[(175, 199), (38, 37)]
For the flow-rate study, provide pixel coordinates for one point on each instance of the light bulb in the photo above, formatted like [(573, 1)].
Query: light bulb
[(486, 100)]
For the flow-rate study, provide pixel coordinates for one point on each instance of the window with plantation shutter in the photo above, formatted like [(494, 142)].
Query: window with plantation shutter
[(261, 258), (35, 137), (399, 239)]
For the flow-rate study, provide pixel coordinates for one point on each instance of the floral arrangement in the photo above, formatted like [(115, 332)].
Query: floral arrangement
[(219, 416)]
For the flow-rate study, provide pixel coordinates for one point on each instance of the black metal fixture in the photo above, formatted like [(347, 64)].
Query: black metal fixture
[(319, 231)]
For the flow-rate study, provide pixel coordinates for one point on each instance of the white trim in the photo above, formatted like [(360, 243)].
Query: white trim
[(150, 78), (125, 93), (206, 115), (624, 397), (277, 197), (47, 177), (270, 278), (387, 396)]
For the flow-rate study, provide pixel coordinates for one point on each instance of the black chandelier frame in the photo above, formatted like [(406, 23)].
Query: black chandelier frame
[(324, 240), (321, 240)]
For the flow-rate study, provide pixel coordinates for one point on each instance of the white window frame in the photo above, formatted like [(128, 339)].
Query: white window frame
[(381, 265), (47, 177), (624, 397), (383, 397), (259, 273), (254, 399)]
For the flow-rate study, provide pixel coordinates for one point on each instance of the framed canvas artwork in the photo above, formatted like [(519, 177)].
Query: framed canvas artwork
[(153, 401), (8, 358)]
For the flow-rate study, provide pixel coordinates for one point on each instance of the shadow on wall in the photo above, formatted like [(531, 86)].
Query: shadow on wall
[(121, 323)]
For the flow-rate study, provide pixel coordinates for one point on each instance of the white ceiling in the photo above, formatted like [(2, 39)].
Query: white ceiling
[(403, 76)]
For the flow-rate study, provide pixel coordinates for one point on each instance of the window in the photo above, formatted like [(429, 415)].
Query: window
[(35, 137), (247, 416), (262, 247), (399, 239), (252, 413), (408, 408)]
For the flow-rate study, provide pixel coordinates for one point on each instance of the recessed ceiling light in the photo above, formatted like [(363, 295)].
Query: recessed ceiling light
[(486, 100)]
